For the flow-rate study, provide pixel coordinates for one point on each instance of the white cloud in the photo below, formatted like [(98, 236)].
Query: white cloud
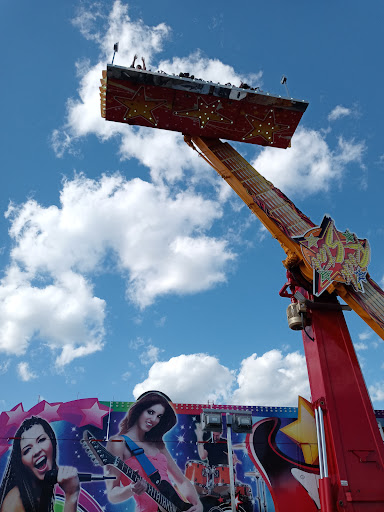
[(338, 112), (363, 336), (158, 239), (194, 378), (360, 346), (24, 372), (64, 314), (272, 379), (208, 69), (161, 321), (4, 367), (157, 243), (126, 375), (150, 355), (377, 392), (262, 233), (309, 166), (136, 343)]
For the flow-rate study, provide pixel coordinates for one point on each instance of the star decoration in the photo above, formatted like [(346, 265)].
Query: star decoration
[(49, 412), (303, 431), (205, 113), (361, 276), (349, 237), (141, 106), (265, 128), (94, 415), (15, 416), (312, 240), (334, 256), (325, 275)]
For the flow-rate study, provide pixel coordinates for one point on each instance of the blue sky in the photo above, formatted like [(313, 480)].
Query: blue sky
[(126, 263)]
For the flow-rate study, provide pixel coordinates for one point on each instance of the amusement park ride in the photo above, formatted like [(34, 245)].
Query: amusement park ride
[(321, 262)]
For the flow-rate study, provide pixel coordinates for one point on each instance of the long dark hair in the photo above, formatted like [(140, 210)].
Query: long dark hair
[(144, 402), (16, 475)]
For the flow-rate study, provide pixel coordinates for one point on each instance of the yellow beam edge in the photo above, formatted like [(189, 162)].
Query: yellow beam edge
[(291, 248)]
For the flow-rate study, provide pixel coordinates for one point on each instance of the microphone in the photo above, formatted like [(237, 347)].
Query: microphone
[(50, 477)]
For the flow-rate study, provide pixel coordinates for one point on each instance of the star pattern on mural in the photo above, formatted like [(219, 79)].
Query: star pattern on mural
[(94, 415), (49, 412), (303, 431), (141, 106), (265, 128), (15, 416), (205, 113)]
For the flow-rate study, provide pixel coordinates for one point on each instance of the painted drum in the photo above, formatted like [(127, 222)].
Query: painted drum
[(221, 480), (198, 473)]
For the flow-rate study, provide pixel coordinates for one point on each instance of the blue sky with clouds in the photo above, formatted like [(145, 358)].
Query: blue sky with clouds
[(127, 264)]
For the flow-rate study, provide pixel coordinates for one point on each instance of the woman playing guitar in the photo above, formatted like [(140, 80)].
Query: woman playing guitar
[(145, 424)]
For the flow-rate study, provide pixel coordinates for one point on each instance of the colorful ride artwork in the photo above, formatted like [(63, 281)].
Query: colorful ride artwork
[(276, 466)]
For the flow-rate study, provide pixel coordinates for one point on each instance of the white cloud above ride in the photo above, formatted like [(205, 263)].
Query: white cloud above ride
[(24, 372), (201, 378), (339, 111), (310, 166), (191, 378)]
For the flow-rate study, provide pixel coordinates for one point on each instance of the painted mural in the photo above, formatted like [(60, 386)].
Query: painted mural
[(154, 455)]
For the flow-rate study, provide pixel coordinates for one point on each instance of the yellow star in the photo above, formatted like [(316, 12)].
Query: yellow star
[(205, 113), (312, 241), (140, 106), (303, 431), (265, 128)]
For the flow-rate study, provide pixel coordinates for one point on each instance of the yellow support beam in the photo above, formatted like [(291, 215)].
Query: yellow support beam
[(284, 221)]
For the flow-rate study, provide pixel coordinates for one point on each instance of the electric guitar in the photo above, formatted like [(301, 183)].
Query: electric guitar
[(165, 496), (292, 483)]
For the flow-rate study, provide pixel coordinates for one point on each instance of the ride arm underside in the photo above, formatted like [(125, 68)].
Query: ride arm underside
[(284, 221)]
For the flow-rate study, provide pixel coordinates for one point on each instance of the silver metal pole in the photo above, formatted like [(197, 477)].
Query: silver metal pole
[(258, 495), (323, 445), (230, 463), (264, 497), (381, 430), (109, 419), (319, 444)]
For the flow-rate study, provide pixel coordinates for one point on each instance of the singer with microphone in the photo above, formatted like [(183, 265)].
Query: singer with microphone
[(32, 472)]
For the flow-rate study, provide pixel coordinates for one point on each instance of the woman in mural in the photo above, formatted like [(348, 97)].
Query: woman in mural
[(145, 424), (24, 488)]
